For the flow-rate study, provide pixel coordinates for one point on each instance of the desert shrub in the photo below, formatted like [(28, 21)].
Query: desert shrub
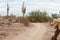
[(25, 21), (10, 17), (55, 15), (37, 16), (17, 19)]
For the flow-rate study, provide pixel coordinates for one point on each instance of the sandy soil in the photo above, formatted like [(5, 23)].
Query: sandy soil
[(11, 29), (17, 31), (33, 34), (50, 32)]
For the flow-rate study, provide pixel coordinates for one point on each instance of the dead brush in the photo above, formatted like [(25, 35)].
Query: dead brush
[(17, 19), (25, 21)]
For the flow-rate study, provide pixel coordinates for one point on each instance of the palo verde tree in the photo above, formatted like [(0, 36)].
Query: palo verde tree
[(23, 9)]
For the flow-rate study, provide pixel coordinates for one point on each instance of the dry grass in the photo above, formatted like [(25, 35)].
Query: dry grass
[(24, 20)]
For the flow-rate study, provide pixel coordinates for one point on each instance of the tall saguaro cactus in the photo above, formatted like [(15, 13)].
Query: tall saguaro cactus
[(7, 9), (23, 9)]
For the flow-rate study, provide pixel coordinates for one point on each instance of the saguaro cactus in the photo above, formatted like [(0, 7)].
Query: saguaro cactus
[(7, 9), (23, 9)]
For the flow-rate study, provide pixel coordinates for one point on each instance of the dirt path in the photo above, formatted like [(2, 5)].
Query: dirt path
[(50, 32), (36, 33)]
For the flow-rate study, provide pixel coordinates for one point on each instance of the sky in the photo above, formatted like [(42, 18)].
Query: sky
[(50, 6)]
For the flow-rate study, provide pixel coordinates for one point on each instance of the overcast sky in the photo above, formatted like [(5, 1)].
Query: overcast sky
[(51, 6)]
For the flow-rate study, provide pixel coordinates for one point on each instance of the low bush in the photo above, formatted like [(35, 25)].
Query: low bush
[(25, 21)]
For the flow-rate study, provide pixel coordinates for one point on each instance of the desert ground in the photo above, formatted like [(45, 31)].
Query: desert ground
[(18, 31)]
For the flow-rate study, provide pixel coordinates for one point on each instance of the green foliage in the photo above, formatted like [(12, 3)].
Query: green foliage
[(37, 16), (55, 15)]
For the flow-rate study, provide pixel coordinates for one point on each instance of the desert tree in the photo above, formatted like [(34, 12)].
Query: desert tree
[(38, 16), (55, 15), (23, 9)]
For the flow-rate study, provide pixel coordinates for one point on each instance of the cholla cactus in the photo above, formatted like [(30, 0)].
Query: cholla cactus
[(23, 9), (7, 9)]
